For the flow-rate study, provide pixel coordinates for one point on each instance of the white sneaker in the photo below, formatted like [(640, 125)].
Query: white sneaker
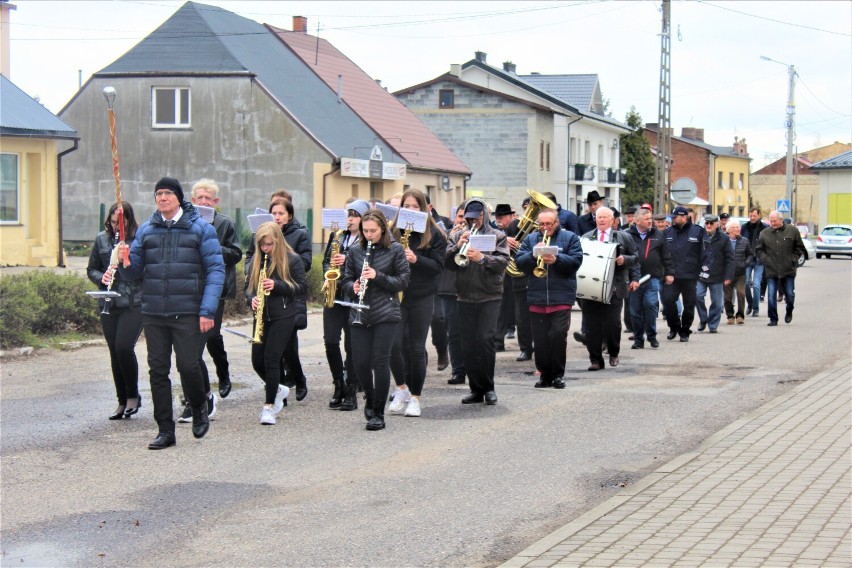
[(400, 399), (267, 416), (283, 392), (413, 408)]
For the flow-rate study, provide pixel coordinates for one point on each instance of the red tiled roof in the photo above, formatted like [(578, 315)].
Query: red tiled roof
[(399, 127)]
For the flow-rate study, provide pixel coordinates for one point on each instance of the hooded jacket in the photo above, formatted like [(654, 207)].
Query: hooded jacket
[(480, 282)]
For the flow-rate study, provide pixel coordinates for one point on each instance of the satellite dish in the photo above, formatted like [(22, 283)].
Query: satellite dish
[(684, 190)]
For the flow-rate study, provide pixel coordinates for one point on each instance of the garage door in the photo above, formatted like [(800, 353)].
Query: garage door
[(840, 208)]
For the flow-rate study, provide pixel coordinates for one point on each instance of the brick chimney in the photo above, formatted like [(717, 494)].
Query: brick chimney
[(509, 67), (740, 147), (480, 56), (300, 24), (692, 133)]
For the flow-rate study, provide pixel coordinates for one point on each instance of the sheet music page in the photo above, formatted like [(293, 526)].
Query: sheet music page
[(332, 216), (205, 213), (484, 243), (255, 221), (416, 218)]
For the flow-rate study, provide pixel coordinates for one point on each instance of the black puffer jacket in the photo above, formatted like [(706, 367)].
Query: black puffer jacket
[(231, 252), (717, 260), (130, 290), (686, 244), (426, 272), (743, 256), (280, 303), (392, 276), (298, 239)]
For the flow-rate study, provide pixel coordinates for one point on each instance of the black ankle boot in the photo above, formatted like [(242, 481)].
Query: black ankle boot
[(377, 420), (368, 408), (337, 396), (350, 399)]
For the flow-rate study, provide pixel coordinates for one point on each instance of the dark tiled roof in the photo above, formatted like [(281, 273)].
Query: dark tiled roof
[(577, 90), (21, 115), (400, 128), (842, 161)]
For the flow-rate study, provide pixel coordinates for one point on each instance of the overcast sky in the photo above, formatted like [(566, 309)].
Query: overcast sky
[(718, 81)]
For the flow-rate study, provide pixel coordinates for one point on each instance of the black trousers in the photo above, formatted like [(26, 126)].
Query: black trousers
[(603, 325), (685, 288), (291, 365), (551, 342), (216, 346), (522, 321), (440, 339), (266, 356), (335, 320), (479, 322), (371, 347), (181, 333), (450, 305), (506, 317), (121, 330), (408, 355)]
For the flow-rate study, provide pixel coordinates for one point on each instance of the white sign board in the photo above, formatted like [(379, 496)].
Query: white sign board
[(258, 219), (332, 218), (484, 243), (353, 167), (416, 219)]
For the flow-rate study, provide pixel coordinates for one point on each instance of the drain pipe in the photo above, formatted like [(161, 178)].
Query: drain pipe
[(60, 261)]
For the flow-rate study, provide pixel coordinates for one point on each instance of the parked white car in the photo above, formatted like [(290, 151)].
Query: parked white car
[(834, 239)]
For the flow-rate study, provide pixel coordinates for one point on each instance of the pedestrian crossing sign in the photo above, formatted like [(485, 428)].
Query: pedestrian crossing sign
[(782, 205)]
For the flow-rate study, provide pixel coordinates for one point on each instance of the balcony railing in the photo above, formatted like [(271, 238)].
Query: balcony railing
[(615, 175), (582, 172)]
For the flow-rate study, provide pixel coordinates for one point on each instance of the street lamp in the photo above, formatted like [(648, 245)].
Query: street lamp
[(791, 123)]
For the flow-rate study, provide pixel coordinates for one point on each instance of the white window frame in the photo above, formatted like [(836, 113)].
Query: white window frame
[(177, 110), (17, 219)]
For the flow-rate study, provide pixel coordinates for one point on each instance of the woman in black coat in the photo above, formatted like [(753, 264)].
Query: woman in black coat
[(376, 271), (123, 324)]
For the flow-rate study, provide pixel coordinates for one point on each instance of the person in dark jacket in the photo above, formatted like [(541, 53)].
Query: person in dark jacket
[(717, 271), (567, 219), (686, 244), (551, 294), (754, 272), (440, 337), (122, 321), (335, 319), (376, 271), (519, 291), (479, 283), (179, 258), (449, 303), (779, 249), (604, 318), (206, 192), (743, 256), (504, 215), (655, 261), (284, 281), (586, 222), (425, 255)]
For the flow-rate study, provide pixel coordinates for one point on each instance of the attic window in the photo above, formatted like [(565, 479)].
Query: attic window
[(446, 98), (170, 107)]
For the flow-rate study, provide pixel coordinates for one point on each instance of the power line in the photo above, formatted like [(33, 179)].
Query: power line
[(773, 19), (817, 98)]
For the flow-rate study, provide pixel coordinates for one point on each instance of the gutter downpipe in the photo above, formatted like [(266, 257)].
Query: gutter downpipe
[(335, 167), (568, 161), (60, 261)]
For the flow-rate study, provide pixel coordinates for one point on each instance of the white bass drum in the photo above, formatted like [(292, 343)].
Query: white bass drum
[(597, 273)]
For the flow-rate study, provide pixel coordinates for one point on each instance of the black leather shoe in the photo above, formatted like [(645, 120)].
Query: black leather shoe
[(702, 326), (789, 317), (162, 441), (772, 323), (613, 361), (369, 412), (443, 361), (654, 343), (684, 338), (301, 392), (128, 412), (559, 383), (376, 422), (524, 356), (595, 367), (510, 334), (637, 345), (224, 388), (200, 421), (491, 398), (579, 337), (542, 384), (119, 413), (671, 335), (473, 398), (499, 348), (456, 380)]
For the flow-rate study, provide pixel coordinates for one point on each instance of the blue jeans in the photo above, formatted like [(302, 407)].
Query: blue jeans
[(788, 284), (644, 306), (717, 303), (754, 274)]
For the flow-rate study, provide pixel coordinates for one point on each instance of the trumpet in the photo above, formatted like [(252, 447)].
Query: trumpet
[(332, 275), (461, 257), (540, 271), (362, 286), (261, 303)]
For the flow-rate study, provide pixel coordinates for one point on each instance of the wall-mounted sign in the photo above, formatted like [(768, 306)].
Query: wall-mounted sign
[(445, 183), (353, 167)]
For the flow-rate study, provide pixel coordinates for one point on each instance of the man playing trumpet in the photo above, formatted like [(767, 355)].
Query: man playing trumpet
[(551, 293), (479, 283)]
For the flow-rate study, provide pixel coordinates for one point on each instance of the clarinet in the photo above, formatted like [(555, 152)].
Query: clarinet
[(362, 286)]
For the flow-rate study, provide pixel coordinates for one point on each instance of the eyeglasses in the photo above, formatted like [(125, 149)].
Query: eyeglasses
[(163, 193)]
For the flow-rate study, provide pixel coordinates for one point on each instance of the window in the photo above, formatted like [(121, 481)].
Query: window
[(446, 98), (720, 209), (721, 182), (547, 156), (731, 180), (541, 154), (8, 188), (742, 211), (741, 181), (170, 107)]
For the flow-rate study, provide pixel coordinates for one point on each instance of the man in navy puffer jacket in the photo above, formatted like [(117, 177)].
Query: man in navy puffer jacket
[(178, 257), (686, 243)]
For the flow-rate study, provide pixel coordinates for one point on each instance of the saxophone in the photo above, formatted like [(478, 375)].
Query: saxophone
[(403, 240), (261, 303), (332, 275)]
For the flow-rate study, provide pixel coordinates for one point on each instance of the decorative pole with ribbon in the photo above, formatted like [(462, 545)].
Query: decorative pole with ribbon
[(109, 95)]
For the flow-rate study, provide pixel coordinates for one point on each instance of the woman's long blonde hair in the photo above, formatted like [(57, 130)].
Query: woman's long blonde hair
[(278, 262)]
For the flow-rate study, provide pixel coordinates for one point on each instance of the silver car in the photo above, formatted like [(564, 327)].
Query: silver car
[(810, 251), (834, 239)]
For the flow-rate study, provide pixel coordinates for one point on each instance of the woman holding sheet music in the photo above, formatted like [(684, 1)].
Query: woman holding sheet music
[(376, 271), (424, 252)]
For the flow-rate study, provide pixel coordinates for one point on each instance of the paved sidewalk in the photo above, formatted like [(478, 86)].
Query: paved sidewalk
[(772, 489)]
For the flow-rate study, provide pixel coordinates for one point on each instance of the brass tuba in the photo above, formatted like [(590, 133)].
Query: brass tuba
[(261, 302), (332, 275), (527, 224)]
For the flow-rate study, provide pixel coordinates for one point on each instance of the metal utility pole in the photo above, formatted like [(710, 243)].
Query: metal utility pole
[(791, 129), (664, 135)]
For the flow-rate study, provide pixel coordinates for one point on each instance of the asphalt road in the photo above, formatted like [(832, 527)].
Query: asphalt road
[(460, 486)]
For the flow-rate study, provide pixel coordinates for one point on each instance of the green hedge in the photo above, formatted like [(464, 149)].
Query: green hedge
[(41, 302)]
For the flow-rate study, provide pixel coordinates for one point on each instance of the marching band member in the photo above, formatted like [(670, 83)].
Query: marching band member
[(335, 319), (425, 256), (551, 293), (276, 278), (603, 320), (449, 304), (122, 322), (479, 283), (376, 270)]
